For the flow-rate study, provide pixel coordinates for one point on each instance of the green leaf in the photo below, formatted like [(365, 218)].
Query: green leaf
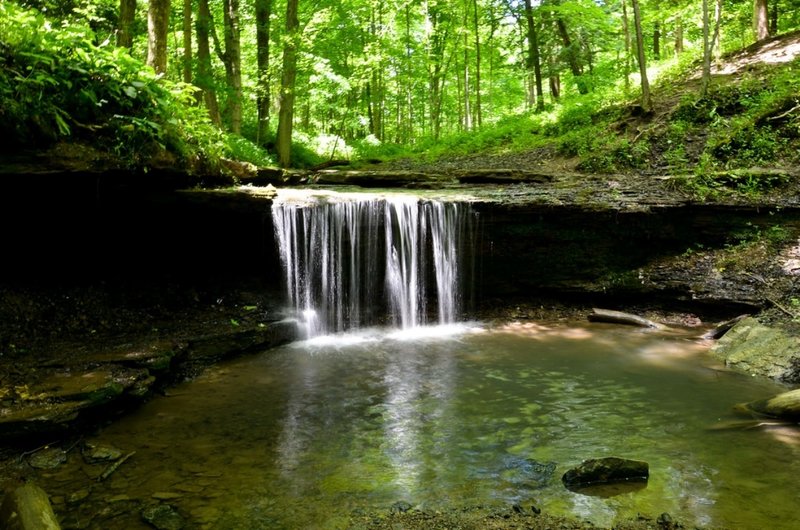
[(131, 92)]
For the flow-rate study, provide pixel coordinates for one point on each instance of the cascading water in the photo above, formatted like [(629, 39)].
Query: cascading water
[(331, 249)]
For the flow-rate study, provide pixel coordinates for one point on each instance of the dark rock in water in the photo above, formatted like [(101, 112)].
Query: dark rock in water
[(400, 507), (664, 519), (535, 509), (517, 508), (607, 470), (49, 458), (27, 508), (163, 517), (95, 454)]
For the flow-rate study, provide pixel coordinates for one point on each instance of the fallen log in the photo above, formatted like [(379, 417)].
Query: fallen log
[(723, 328), (618, 317)]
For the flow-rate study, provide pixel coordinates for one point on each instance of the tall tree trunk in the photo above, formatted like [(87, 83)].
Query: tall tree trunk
[(233, 64), (157, 25), (647, 103), (657, 41), (263, 13), (626, 27), (715, 40), (678, 35), (127, 15), (760, 19), (476, 27), (706, 76), (571, 51), (467, 112), (533, 59), (773, 19), (205, 74), (187, 41), (286, 112)]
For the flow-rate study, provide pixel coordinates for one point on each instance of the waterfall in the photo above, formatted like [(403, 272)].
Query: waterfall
[(351, 261)]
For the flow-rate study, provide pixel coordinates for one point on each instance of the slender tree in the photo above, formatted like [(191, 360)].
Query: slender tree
[(263, 13), (157, 25), (533, 61), (476, 29), (286, 112), (187, 41), (232, 59), (647, 103), (205, 76)]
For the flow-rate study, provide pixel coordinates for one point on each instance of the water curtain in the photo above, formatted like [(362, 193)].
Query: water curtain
[(351, 261)]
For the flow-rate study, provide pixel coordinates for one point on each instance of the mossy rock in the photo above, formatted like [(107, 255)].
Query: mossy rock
[(756, 349), (785, 406)]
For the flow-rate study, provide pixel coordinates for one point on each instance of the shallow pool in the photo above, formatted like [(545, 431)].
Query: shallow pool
[(304, 435)]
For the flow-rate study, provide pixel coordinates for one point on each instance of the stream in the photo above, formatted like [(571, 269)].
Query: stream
[(306, 435)]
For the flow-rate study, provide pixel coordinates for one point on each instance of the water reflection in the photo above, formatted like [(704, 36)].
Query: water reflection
[(301, 436)]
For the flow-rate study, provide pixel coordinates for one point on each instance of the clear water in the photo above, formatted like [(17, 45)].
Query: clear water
[(301, 436)]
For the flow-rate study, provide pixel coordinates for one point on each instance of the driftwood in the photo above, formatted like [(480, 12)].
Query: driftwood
[(113, 467), (723, 328), (618, 317), (330, 163)]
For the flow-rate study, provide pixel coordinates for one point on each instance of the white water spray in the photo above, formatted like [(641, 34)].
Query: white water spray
[(331, 249)]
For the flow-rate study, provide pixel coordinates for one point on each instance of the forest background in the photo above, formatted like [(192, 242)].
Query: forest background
[(302, 83)]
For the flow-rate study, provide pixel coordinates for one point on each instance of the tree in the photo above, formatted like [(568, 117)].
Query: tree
[(533, 59), (286, 112), (760, 19), (647, 103), (127, 14), (187, 41), (232, 59), (157, 26), (263, 14), (205, 76)]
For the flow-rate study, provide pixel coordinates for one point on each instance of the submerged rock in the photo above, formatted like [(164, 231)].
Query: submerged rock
[(28, 508), (95, 454), (49, 458), (609, 470), (163, 517), (784, 406)]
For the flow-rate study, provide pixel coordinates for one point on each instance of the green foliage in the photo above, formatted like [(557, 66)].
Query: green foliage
[(56, 84)]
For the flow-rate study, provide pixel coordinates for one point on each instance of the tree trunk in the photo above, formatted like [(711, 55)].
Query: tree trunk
[(205, 76), (647, 103), (467, 111), (773, 19), (679, 36), (626, 28), (286, 112), (533, 59), (760, 19), (657, 41), (263, 12), (233, 64), (187, 41), (572, 55), (706, 76), (478, 110), (157, 25), (127, 15)]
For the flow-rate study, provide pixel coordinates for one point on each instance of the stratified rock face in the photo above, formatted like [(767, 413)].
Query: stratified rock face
[(760, 350), (609, 470), (27, 508)]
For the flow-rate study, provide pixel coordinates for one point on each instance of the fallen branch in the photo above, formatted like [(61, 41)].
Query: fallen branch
[(723, 328), (618, 317), (113, 467), (779, 116), (782, 308)]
